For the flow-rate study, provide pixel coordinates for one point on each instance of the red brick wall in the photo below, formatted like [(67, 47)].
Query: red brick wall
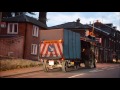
[(29, 41), (24, 29), (21, 29), (14, 44), (3, 31)]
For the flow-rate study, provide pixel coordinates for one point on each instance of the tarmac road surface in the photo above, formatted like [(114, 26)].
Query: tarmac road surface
[(102, 71)]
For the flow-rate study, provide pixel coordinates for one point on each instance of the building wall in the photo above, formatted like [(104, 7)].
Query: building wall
[(109, 43), (21, 29), (13, 45), (24, 29), (29, 40), (3, 31)]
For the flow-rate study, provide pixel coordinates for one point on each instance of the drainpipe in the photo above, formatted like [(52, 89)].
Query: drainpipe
[(24, 50), (39, 45)]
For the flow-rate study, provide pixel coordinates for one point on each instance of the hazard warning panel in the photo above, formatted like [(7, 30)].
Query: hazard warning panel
[(51, 49)]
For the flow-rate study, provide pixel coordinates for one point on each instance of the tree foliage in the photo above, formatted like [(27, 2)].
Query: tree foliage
[(10, 14)]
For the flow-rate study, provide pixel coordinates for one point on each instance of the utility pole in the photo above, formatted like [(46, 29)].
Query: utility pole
[(92, 47), (92, 44)]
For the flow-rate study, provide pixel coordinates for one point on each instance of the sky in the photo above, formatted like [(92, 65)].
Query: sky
[(56, 18)]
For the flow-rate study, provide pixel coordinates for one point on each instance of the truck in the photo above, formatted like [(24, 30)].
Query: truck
[(61, 48)]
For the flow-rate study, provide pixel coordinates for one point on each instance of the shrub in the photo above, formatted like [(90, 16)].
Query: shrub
[(9, 64)]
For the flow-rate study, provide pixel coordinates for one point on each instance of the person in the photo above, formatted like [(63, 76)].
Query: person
[(92, 57), (116, 57), (83, 55)]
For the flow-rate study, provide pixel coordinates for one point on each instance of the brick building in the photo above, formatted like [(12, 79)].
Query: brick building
[(110, 41), (110, 38), (24, 29)]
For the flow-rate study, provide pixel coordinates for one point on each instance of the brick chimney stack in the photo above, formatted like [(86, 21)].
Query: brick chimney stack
[(78, 20), (43, 17)]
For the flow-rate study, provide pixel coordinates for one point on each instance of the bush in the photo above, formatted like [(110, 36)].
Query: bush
[(9, 64)]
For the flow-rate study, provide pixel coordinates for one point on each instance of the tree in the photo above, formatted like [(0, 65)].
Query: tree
[(6, 14), (19, 13), (9, 14), (43, 17)]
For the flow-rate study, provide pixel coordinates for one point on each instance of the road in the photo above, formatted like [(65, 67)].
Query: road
[(102, 71)]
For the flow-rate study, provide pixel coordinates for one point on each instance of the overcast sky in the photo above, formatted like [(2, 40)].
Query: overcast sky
[(56, 18)]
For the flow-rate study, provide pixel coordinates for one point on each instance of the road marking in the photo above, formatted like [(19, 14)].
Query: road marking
[(95, 70), (105, 68), (76, 75), (110, 68)]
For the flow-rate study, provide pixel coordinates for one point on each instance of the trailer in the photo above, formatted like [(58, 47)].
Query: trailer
[(60, 48)]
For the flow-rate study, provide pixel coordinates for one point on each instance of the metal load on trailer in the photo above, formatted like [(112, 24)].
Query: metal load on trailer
[(60, 44)]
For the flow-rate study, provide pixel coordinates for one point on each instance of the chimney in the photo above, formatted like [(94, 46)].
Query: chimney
[(78, 20), (90, 22), (115, 27), (97, 21), (43, 17)]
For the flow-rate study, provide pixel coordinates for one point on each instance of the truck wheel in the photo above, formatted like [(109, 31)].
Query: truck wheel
[(64, 66), (45, 66), (77, 65)]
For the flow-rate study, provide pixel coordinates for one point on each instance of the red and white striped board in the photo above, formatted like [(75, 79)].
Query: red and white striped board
[(51, 49)]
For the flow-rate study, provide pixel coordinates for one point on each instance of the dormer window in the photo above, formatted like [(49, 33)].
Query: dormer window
[(12, 28), (35, 31)]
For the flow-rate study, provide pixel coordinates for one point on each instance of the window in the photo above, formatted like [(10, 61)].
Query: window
[(35, 31), (34, 49), (12, 28)]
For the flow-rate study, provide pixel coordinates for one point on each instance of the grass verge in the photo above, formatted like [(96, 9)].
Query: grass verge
[(9, 64)]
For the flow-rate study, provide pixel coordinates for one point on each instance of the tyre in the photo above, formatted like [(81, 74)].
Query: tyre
[(64, 66), (77, 66)]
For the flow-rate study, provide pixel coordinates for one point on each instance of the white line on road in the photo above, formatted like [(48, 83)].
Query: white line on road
[(113, 68), (110, 68), (76, 75), (105, 68), (95, 70)]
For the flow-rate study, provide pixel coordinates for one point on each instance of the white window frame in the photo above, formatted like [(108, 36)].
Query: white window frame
[(13, 28), (35, 31), (34, 49)]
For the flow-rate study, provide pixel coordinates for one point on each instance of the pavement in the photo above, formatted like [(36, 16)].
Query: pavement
[(20, 71), (36, 69)]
